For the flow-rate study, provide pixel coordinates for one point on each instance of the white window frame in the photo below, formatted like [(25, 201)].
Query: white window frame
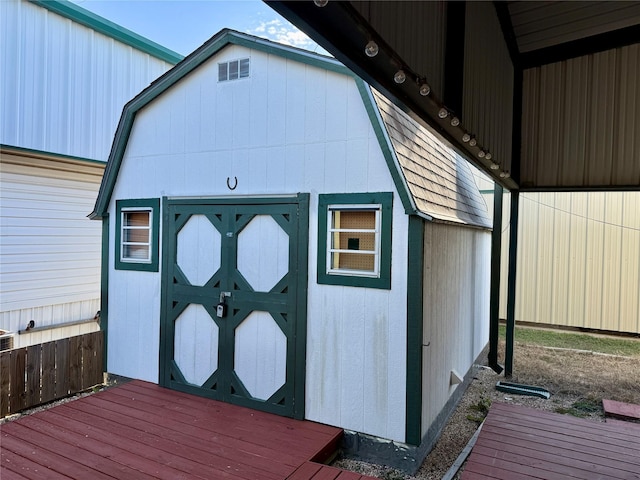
[(377, 208), (149, 228)]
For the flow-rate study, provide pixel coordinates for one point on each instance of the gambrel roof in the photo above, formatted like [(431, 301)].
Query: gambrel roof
[(433, 181)]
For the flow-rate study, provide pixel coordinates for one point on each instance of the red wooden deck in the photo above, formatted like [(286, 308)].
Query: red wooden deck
[(519, 443), (141, 431)]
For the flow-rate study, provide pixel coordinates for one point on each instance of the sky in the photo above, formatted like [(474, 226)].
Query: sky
[(184, 25)]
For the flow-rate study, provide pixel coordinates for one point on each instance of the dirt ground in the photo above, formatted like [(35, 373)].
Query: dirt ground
[(578, 382)]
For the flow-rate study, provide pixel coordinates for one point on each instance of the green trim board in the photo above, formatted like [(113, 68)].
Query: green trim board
[(146, 203), (104, 288), (385, 199), (415, 319), (41, 153), (386, 146), (102, 25)]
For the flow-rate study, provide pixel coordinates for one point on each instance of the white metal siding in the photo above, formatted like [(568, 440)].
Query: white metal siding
[(63, 84), (50, 253), (288, 128), (488, 83), (563, 141), (456, 309)]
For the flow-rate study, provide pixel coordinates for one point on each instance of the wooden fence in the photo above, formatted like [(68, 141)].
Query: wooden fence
[(49, 371)]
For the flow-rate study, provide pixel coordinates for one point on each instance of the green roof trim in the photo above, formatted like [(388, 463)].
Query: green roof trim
[(386, 147), (194, 60), (95, 22), (34, 152)]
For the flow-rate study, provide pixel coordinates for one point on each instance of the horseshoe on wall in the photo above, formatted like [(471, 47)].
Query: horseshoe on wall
[(234, 185)]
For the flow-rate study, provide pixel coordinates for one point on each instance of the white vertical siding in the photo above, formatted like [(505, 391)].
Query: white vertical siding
[(63, 84), (456, 309), (288, 128)]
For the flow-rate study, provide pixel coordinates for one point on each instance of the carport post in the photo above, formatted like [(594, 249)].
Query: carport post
[(511, 283), (494, 294)]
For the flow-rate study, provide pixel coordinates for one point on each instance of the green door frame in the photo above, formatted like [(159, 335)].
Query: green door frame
[(298, 268)]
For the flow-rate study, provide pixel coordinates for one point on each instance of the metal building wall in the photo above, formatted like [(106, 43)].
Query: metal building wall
[(63, 84), (563, 142), (419, 42), (578, 260), (487, 83)]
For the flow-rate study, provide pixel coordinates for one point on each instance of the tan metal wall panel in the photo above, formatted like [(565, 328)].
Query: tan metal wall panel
[(417, 32), (488, 82), (578, 260), (580, 121)]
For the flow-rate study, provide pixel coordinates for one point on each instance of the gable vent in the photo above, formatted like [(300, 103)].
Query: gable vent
[(233, 70)]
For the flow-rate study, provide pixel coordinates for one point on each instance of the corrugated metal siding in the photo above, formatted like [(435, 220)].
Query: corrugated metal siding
[(564, 143), (64, 85), (456, 309), (50, 250), (543, 24), (578, 260), (17, 320), (417, 32), (488, 83)]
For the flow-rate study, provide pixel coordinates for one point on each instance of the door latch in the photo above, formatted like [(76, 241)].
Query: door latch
[(221, 308)]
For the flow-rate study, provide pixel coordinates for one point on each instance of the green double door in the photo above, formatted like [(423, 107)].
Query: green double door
[(233, 320)]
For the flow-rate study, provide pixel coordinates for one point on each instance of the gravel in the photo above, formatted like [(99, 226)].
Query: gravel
[(577, 381)]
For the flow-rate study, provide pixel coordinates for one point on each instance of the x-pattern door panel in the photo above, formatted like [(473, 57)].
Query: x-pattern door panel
[(255, 252)]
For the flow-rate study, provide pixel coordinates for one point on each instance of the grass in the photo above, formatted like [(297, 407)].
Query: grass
[(579, 341)]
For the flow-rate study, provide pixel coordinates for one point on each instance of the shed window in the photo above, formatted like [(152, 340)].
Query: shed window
[(136, 235), (354, 240), (233, 70), (137, 224)]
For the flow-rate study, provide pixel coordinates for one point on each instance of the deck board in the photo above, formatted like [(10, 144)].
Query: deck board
[(141, 431), (522, 443)]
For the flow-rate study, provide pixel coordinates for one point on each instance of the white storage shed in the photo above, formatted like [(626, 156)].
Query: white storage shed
[(279, 235)]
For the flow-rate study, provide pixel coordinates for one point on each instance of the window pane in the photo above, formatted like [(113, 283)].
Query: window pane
[(222, 72), (136, 219), (353, 261), (137, 252), (244, 68), (135, 235), (354, 219), (354, 241), (233, 70)]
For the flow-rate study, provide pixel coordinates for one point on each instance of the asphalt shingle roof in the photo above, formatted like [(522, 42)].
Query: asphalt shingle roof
[(439, 180)]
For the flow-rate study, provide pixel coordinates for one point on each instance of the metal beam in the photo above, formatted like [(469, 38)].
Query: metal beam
[(511, 283), (494, 300)]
